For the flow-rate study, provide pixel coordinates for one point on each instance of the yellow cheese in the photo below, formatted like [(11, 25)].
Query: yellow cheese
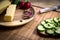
[(10, 13), (4, 5)]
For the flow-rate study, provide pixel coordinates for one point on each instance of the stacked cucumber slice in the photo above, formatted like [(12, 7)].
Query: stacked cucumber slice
[(50, 26)]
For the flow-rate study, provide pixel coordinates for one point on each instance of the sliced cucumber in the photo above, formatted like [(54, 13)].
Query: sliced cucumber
[(47, 26), (43, 22), (50, 31), (41, 28), (56, 20), (59, 20), (57, 28), (59, 24), (52, 25), (57, 31), (49, 20)]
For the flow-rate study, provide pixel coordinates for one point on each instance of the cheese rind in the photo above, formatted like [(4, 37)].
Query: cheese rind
[(10, 13), (4, 5)]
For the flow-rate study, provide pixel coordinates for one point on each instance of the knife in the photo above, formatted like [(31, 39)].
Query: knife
[(55, 8), (43, 10)]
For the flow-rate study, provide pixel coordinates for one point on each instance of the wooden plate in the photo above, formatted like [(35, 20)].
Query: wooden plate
[(48, 35), (17, 18)]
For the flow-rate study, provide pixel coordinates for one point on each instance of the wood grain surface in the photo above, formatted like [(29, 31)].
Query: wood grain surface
[(45, 3), (28, 31)]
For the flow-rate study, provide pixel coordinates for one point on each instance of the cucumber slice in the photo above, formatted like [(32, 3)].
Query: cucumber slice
[(59, 24), (59, 20), (52, 25), (56, 20), (57, 28), (49, 31), (43, 22), (41, 28), (47, 26), (57, 31), (49, 20)]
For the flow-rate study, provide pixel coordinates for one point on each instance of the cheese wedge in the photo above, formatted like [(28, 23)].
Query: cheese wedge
[(10, 13), (4, 5)]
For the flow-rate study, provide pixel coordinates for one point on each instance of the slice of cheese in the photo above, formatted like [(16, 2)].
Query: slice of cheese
[(4, 5), (10, 13)]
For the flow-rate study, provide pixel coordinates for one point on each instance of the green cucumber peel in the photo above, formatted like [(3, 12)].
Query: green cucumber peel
[(26, 0)]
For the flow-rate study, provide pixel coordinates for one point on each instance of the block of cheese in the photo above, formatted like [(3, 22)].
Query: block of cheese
[(4, 5), (10, 13)]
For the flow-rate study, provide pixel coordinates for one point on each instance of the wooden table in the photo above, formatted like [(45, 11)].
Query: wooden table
[(46, 3), (28, 31)]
